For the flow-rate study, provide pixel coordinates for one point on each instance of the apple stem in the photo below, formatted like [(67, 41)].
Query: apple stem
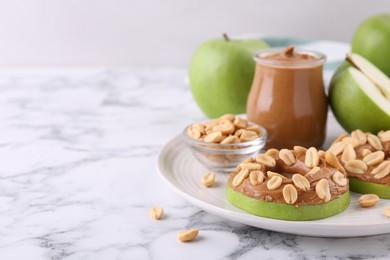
[(226, 37)]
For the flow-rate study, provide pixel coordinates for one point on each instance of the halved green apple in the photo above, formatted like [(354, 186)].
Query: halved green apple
[(364, 187), (359, 96), (286, 211)]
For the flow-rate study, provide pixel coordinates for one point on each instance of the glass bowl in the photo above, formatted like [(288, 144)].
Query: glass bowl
[(224, 157)]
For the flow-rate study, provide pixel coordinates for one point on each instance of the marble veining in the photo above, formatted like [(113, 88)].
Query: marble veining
[(77, 174)]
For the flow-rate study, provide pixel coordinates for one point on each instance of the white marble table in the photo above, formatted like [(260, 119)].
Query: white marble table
[(78, 150)]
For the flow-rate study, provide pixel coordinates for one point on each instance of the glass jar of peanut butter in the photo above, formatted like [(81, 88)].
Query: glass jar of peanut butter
[(288, 97)]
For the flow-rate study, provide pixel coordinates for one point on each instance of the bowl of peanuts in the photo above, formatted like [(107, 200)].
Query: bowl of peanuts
[(221, 144)]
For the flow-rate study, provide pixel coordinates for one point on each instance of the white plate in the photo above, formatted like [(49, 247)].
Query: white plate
[(181, 172)]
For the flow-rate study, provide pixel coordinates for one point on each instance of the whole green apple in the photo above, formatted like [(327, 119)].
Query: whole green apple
[(372, 41), (221, 74), (359, 96)]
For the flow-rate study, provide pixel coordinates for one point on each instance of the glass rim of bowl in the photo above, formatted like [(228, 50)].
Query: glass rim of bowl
[(243, 145)]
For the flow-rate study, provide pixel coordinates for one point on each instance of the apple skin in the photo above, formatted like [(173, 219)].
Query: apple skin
[(372, 41), (350, 105), (221, 74), (383, 191), (286, 211)]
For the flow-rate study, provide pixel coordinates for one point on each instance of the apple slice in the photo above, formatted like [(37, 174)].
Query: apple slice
[(365, 187), (381, 81), (286, 211)]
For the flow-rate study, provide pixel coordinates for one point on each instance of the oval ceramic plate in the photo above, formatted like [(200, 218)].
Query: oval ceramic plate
[(181, 172)]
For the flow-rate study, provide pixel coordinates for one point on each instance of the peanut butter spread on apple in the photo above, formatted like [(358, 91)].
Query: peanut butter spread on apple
[(299, 177)]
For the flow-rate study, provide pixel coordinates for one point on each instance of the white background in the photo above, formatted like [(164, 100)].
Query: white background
[(151, 32)]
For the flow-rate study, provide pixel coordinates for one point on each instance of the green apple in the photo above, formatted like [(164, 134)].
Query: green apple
[(359, 95), (286, 211), (364, 187), (221, 74), (372, 41)]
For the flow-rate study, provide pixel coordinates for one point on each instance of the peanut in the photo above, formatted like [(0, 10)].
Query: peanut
[(348, 153), (339, 179), (337, 148), (382, 170), (240, 177), (332, 160), (287, 157), (356, 166), (247, 136), (266, 160), (271, 174), (299, 150), (374, 158), (250, 166), (311, 158), (374, 141), (290, 194), (229, 117), (208, 179), (256, 177), (301, 182), (272, 152), (366, 152), (188, 235), (351, 140), (156, 212), (214, 137), (232, 139), (240, 122), (313, 171), (193, 132), (254, 128), (274, 183), (384, 136), (322, 190), (368, 200), (226, 128), (360, 136)]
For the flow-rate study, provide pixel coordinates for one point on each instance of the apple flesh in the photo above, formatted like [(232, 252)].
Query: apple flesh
[(221, 74), (364, 187), (372, 41), (357, 96), (286, 211)]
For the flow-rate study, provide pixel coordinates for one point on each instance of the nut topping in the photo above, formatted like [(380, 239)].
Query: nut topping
[(272, 152), (299, 150), (374, 158), (240, 177), (188, 235), (322, 190), (356, 166), (214, 137), (351, 140), (368, 200), (274, 183), (266, 160), (382, 170), (271, 174), (311, 158), (256, 177), (348, 153), (384, 136), (287, 157), (251, 166), (290, 194), (339, 179), (208, 179), (313, 171), (301, 182), (156, 213), (332, 160), (366, 152), (360, 136), (374, 141), (337, 148)]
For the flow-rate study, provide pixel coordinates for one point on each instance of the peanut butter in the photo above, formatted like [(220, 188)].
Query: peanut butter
[(308, 197), (288, 98)]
